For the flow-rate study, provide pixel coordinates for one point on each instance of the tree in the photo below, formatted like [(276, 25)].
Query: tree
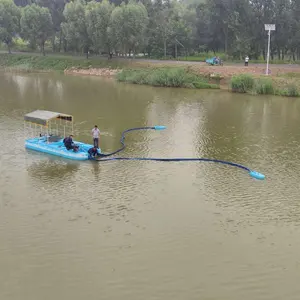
[(56, 8), (36, 25), (9, 22), (98, 17), (75, 27), (128, 26), (160, 27), (182, 21), (23, 2)]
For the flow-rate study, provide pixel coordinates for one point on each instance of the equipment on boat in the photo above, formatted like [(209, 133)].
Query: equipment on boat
[(50, 122), (47, 130)]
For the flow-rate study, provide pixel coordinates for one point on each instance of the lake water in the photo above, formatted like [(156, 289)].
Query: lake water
[(136, 230)]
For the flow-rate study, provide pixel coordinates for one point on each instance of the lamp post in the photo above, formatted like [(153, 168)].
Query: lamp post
[(269, 28)]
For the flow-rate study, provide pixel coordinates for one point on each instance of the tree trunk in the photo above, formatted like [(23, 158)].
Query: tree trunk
[(43, 48), (65, 45), (60, 40), (9, 48), (175, 49), (165, 48), (226, 39), (53, 43)]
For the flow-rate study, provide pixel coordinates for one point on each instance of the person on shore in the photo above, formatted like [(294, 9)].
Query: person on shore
[(246, 61), (69, 144), (93, 152), (96, 134)]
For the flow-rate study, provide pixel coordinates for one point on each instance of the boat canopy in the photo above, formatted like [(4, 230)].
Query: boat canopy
[(43, 117)]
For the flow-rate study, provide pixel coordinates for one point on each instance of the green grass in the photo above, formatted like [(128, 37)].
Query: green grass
[(242, 83), (290, 91), (166, 77), (56, 63), (262, 86)]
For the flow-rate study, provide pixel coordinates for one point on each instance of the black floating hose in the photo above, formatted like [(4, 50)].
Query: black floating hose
[(105, 157)]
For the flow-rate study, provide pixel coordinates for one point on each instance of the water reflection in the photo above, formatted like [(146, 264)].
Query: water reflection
[(51, 169), (134, 219), (96, 170)]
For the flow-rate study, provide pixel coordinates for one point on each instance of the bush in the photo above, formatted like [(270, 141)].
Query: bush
[(264, 86), (20, 45), (242, 83), (168, 77), (290, 91)]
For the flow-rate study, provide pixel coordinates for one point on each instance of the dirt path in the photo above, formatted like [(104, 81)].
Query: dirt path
[(230, 69)]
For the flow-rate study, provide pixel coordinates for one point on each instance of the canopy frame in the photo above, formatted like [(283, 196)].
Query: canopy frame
[(45, 121)]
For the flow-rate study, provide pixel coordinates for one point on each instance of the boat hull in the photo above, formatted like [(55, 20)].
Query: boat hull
[(57, 148)]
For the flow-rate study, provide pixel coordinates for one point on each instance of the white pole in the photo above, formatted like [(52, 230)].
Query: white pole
[(268, 55)]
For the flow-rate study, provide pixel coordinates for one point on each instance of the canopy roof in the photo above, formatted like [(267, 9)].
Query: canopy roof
[(42, 117)]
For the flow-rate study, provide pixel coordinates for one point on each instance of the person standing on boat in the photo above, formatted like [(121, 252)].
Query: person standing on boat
[(96, 134)]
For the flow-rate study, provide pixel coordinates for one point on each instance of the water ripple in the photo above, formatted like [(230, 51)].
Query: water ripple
[(150, 229)]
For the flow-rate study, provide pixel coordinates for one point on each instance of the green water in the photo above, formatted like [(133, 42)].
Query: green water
[(150, 230)]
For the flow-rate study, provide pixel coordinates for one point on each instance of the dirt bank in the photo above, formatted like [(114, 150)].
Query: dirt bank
[(104, 72)]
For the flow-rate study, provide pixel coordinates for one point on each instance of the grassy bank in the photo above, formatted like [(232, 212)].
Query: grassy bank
[(168, 77), (27, 62), (284, 83), (247, 83), (132, 72)]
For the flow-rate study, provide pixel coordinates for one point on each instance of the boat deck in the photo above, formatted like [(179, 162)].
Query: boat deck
[(55, 146)]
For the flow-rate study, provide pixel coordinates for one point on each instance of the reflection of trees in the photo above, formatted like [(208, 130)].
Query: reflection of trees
[(40, 90), (244, 126), (112, 106), (54, 170), (223, 126)]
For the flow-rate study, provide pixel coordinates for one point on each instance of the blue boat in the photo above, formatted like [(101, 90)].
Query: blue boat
[(46, 128)]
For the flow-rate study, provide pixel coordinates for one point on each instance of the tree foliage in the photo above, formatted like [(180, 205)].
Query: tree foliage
[(98, 19), (36, 25), (128, 26), (159, 27), (9, 21), (75, 26)]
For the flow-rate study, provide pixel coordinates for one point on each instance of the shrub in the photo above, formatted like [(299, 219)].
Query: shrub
[(290, 91), (242, 83), (168, 77), (264, 86)]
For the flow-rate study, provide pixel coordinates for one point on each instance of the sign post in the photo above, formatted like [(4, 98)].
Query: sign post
[(269, 28)]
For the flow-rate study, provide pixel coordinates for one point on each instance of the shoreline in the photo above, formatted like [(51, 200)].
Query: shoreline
[(179, 75), (99, 72)]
